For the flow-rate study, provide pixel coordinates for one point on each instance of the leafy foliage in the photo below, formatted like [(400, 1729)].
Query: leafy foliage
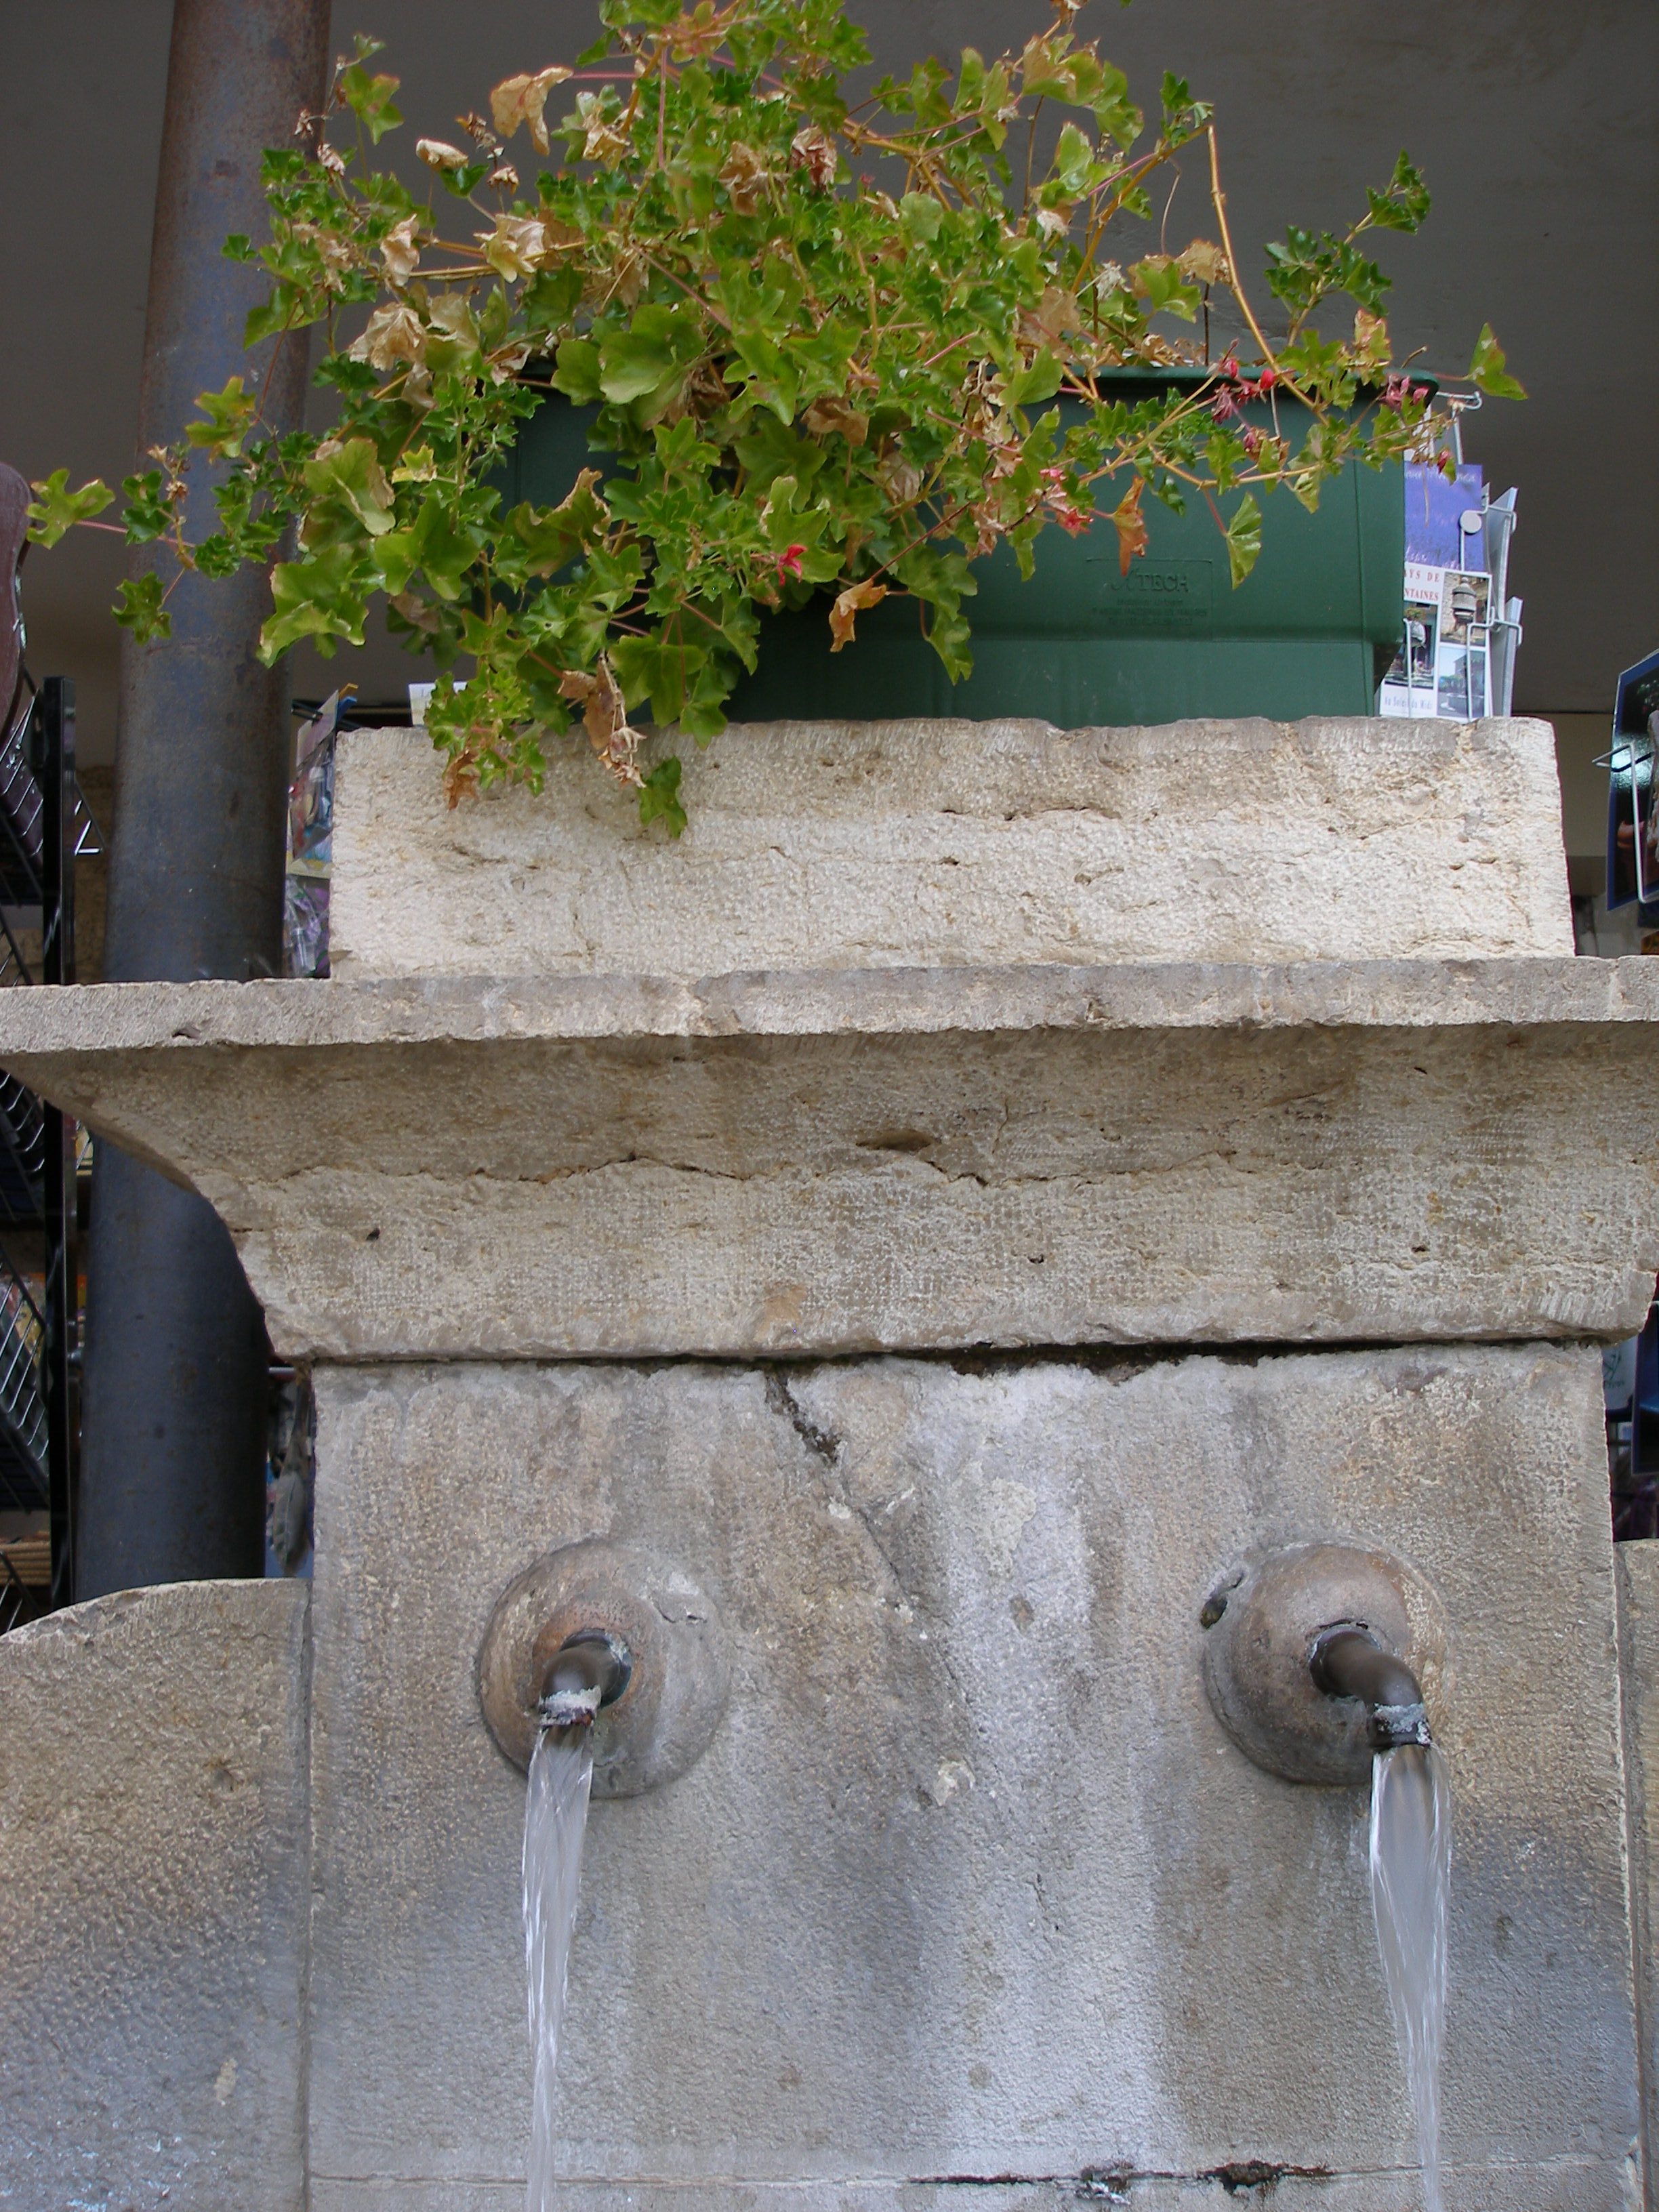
[(55, 508), (823, 340)]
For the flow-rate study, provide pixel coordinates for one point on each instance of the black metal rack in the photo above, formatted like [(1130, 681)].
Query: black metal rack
[(45, 825)]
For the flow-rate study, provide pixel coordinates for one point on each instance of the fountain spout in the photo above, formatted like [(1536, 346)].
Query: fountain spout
[(1348, 1661), (590, 1670)]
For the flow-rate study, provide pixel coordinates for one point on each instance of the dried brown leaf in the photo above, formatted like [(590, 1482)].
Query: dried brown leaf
[(516, 246), (1131, 526), (605, 144), (900, 478), (848, 606), (812, 150), (746, 176), (400, 249), (519, 100), (414, 609), (1203, 262), (604, 716), (393, 333), (835, 413), (1053, 315)]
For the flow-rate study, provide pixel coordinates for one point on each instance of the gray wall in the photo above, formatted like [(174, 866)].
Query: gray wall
[(1532, 121)]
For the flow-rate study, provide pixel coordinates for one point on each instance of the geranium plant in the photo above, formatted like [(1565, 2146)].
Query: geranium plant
[(825, 335)]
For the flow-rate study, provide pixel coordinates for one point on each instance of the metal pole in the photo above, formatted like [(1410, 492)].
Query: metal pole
[(59, 1191), (175, 1390)]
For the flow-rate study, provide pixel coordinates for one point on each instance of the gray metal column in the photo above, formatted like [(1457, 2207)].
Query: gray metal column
[(175, 1386)]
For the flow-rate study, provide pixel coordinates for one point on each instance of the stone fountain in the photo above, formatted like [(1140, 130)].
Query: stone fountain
[(981, 1193)]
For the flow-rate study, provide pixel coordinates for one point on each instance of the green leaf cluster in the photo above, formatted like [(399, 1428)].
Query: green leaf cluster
[(822, 335)]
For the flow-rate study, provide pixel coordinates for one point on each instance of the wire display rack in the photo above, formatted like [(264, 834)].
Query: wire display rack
[(45, 825)]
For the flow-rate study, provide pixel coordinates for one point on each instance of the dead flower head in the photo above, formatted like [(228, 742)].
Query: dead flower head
[(400, 249), (393, 333), (604, 716), (519, 100), (812, 150), (746, 176)]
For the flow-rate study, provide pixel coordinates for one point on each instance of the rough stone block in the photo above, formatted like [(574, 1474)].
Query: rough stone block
[(950, 843), (154, 1812), (971, 1901), (818, 1162), (1637, 1583)]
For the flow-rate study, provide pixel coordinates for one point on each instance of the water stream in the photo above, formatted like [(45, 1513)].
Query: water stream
[(1410, 1873), (554, 1822)]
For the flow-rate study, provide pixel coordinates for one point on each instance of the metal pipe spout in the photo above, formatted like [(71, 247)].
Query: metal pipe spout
[(590, 1670), (1346, 1661)]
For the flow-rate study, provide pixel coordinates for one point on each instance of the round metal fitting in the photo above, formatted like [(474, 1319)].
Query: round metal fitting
[(678, 1674), (1261, 1626)]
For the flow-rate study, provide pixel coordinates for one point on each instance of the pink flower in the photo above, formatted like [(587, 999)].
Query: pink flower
[(1225, 405), (1059, 502), (789, 560), (1269, 378), (1250, 438)]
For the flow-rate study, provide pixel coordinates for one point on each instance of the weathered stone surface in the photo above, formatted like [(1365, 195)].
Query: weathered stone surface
[(153, 1903), (1570, 2186), (1637, 1583), (828, 1163), (969, 1899), (945, 843)]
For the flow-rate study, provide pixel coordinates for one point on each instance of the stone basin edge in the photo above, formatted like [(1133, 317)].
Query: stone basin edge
[(47, 1024)]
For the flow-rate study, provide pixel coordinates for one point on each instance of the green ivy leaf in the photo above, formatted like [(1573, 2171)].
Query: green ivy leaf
[(661, 668), (1243, 536), (1403, 203), (1487, 370), (55, 508), (552, 536), (1161, 282), (921, 215), (139, 608), (287, 309), (351, 475), (1073, 159), (229, 417), (147, 515), (442, 552), (948, 634), (660, 797), (1031, 386), (577, 371), (325, 599), (369, 99)]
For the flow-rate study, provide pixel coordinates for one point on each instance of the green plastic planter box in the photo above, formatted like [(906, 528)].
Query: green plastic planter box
[(1308, 631)]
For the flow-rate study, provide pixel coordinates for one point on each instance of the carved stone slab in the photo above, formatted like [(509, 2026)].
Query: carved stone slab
[(810, 1163), (950, 843)]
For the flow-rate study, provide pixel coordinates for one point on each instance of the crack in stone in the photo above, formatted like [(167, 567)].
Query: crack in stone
[(828, 1449), (818, 1441), (1254, 2177)]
